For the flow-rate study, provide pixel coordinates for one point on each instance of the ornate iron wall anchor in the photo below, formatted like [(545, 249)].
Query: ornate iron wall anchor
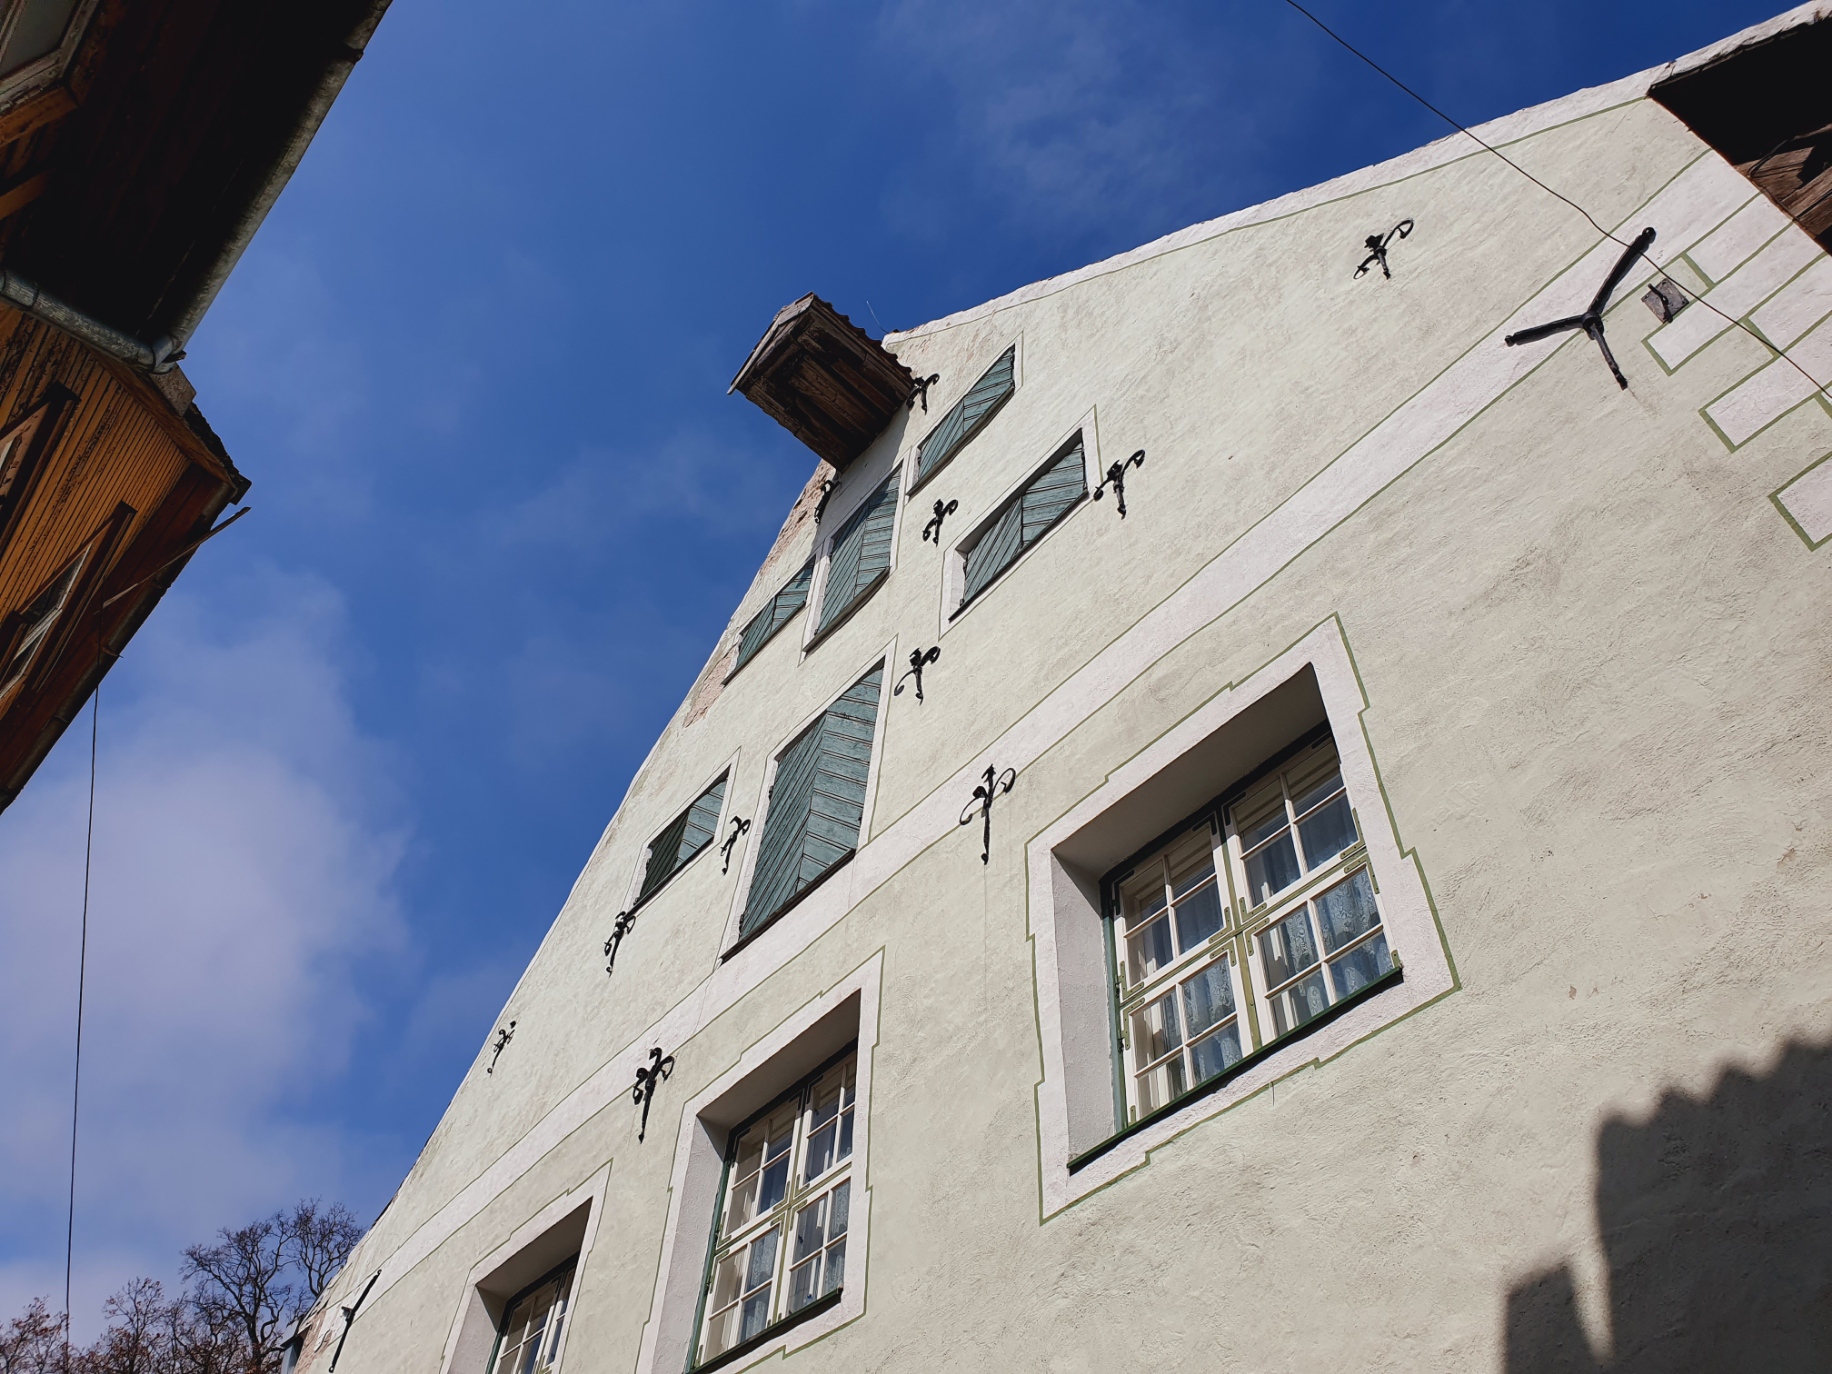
[(933, 528), (739, 827), (1116, 478), (503, 1037), (1377, 249), (820, 508), (997, 784), (1591, 321), (919, 659), (660, 1067), (922, 392), (625, 920)]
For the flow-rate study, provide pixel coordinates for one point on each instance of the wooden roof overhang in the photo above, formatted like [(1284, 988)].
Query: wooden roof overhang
[(131, 184), (825, 380)]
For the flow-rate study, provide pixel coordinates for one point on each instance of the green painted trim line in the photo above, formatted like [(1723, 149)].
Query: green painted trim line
[(1787, 515), (769, 1333), (1390, 979)]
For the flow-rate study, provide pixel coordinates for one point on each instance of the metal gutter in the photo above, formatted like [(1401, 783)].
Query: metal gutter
[(161, 355)]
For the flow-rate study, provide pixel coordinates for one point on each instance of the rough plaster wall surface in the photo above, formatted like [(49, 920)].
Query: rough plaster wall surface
[(1594, 688)]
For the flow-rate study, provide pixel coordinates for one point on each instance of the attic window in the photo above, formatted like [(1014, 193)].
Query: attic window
[(825, 380), (37, 38), (1768, 109)]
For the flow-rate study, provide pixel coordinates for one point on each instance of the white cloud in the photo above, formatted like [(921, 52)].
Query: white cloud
[(246, 838)]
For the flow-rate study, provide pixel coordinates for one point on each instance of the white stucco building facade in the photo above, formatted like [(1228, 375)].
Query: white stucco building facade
[(1398, 939)]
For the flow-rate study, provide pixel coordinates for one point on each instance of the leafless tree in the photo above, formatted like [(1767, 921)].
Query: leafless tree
[(318, 1239), (33, 1342)]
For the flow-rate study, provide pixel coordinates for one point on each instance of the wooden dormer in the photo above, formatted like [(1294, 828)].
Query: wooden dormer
[(824, 379)]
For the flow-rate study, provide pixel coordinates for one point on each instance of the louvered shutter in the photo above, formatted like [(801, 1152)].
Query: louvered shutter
[(969, 415), (779, 612), (1048, 496), (685, 837), (861, 553), (817, 802)]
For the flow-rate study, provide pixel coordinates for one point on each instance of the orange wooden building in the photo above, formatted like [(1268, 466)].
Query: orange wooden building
[(141, 144)]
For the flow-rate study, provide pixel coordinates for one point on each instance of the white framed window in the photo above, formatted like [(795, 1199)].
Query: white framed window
[(528, 1340), (780, 1244), (37, 40), (1255, 920)]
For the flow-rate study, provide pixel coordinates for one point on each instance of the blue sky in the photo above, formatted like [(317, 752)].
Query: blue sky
[(475, 364)]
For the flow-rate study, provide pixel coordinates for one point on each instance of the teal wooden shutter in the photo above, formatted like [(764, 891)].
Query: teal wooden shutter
[(778, 612), (1046, 498), (817, 802), (969, 416), (686, 836), (861, 553)]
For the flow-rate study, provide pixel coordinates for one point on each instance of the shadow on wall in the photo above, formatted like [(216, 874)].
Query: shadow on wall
[(1716, 1219)]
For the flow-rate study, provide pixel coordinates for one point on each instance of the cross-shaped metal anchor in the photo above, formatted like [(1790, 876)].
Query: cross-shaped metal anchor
[(933, 528), (1116, 478), (1591, 321), (1377, 249), (625, 920), (922, 392), (660, 1067), (503, 1037), (739, 827), (919, 659), (996, 784)]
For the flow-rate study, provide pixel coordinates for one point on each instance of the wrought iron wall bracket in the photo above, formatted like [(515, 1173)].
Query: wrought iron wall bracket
[(659, 1068), (921, 393), (932, 530), (503, 1037), (1116, 478), (1377, 245), (996, 784), (625, 920), (820, 507), (739, 827), (919, 659), (1591, 321)]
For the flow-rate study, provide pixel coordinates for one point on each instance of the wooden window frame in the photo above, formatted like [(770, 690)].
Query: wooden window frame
[(819, 627), (799, 1193), (918, 477), (646, 893), (568, 1267), (955, 581), (31, 77)]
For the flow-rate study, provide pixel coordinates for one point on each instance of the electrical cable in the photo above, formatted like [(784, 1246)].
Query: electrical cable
[(82, 969), (1781, 353)]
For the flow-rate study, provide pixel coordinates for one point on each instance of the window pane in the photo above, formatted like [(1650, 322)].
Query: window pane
[(761, 1268), (775, 1176), (1347, 911), (1208, 998), (1327, 831), (1314, 796), (1154, 1030), (839, 1214), (1158, 1086), (1264, 829), (1214, 1053), (1299, 1003), (836, 1267), (1198, 917), (1149, 950), (1287, 948), (1361, 966), (1271, 870), (823, 1130), (1199, 872)]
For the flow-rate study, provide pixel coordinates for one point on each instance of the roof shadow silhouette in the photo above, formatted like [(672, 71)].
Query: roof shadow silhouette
[(1716, 1222)]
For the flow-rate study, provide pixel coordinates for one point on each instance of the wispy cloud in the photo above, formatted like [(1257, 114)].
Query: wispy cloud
[(246, 838)]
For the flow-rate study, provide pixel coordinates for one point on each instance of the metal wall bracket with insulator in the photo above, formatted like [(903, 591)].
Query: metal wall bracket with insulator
[(1591, 321)]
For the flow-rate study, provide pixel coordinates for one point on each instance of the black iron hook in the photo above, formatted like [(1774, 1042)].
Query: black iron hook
[(820, 508), (996, 784), (625, 920), (919, 659), (922, 392), (660, 1067), (933, 528), (503, 1037), (739, 827), (1376, 245), (1591, 321), (1116, 478)]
